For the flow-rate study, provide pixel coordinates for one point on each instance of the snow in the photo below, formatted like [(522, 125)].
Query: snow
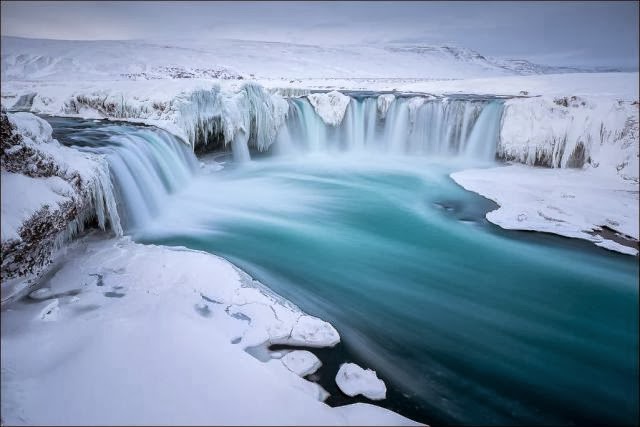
[(41, 294), (33, 59), (373, 416), (569, 202), (613, 85), (123, 340), (549, 132), (36, 133), (384, 102), (353, 380), (330, 106), (50, 312), (301, 362), (23, 196)]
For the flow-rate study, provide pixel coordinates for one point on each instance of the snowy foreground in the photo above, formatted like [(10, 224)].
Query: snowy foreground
[(123, 333)]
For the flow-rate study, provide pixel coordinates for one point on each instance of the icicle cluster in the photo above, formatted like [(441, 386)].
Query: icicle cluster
[(570, 132), (252, 116)]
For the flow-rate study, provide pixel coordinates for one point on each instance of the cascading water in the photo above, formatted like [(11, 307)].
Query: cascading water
[(146, 164), (412, 126), (253, 118)]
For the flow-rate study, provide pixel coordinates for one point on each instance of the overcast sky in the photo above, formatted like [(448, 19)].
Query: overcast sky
[(556, 33)]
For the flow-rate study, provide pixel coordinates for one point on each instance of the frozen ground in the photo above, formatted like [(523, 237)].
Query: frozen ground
[(568, 202), (117, 315)]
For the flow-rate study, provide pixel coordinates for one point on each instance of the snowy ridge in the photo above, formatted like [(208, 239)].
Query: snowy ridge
[(34, 59), (61, 190)]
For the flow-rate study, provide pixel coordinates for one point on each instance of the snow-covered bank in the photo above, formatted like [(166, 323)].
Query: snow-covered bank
[(572, 132), (153, 335), (49, 192), (568, 202)]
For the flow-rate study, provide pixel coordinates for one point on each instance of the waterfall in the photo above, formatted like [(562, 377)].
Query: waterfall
[(146, 164), (419, 125), (411, 126)]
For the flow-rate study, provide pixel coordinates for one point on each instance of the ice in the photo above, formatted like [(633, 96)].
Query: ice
[(301, 362), (353, 380), (104, 361), (249, 117), (569, 202), (23, 196), (41, 188), (571, 132), (41, 294), (330, 106), (384, 102), (310, 331)]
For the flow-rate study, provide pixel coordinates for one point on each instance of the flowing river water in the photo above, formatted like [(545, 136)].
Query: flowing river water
[(465, 322)]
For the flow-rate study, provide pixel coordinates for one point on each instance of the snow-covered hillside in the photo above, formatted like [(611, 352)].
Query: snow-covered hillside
[(33, 59)]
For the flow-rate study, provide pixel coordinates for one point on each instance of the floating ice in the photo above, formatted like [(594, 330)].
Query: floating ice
[(301, 362), (353, 380), (310, 331)]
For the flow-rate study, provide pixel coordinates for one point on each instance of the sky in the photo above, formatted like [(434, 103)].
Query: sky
[(552, 33)]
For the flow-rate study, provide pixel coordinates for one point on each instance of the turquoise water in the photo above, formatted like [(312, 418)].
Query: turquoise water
[(467, 323), (474, 325)]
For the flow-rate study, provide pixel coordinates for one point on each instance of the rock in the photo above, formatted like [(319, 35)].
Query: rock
[(301, 362), (353, 380)]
